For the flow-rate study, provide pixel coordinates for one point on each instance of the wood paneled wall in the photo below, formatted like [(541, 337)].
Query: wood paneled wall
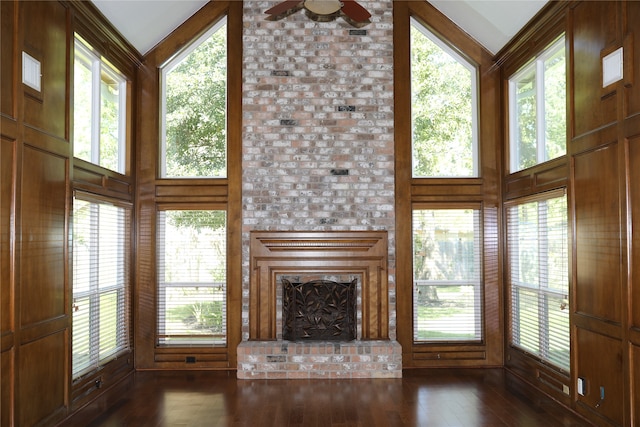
[(601, 171), (601, 174), (36, 183), (35, 172)]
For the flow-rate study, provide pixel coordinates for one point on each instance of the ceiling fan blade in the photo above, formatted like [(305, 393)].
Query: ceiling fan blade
[(283, 7), (354, 11)]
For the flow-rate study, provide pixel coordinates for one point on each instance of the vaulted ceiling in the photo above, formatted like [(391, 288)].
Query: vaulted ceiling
[(491, 22)]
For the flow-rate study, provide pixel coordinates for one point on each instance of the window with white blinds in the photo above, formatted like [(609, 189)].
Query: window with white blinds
[(101, 244), (192, 277), (447, 295), (539, 284)]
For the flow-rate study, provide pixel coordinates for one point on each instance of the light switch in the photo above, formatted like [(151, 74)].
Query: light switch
[(612, 67), (31, 75)]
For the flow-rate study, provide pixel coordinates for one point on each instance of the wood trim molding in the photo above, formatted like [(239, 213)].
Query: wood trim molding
[(361, 253)]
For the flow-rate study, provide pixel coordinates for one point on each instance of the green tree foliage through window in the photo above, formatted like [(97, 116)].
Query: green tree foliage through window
[(443, 108), (194, 119), (99, 110), (538, 109)]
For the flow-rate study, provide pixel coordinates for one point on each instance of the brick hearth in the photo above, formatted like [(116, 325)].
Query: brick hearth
[(293, 360)]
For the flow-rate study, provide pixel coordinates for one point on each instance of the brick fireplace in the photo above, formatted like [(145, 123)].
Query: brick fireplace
[(341, 255), (317, 156)]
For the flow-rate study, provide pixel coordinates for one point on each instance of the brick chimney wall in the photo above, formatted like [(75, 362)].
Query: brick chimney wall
[(317, 128)]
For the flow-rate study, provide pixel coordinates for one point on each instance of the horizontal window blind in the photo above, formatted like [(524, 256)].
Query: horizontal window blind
[(447, 295), (101, 245), (538, 264), (192, 274)]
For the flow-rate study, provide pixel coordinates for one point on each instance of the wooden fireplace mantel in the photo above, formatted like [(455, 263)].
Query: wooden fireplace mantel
[(276, 253)]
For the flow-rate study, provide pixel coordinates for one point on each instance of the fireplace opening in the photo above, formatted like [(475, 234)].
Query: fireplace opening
[(319, 310)]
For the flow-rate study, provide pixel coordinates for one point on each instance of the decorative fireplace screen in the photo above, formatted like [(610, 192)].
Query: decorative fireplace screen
[(319, 310)]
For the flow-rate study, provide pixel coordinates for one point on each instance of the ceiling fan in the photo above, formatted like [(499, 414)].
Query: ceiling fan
[(322, 10)]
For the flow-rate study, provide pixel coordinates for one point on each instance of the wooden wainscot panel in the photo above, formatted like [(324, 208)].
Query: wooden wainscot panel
[(120, 186), (86, 414), (361, 253), (631, 57), (634, 206), (594, 32), (605, 136), (520, 363), (85, 177), (600, 369), (448, 355), (463, 188), (43, 236), (193, 360), (196, 192), (518, 185), (7, 183), (42, 389), (594, 324), (7, 53), (635, 383), (634, 336), (554, 383), (44, 25), (552, 177), (547, 378), (547, 176), (597, 234), (7, 336), (92, 178), (7, 386), (90, 386)]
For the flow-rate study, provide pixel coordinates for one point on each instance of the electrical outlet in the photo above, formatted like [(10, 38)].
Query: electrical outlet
[(581, 387), (565, 389), (601, 401)]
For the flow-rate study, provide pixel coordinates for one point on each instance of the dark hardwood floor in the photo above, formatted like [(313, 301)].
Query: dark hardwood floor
[(443, 397)]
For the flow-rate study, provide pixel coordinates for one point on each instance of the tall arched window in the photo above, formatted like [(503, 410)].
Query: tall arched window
[(194, 104), (447, 194), (189, 189), (447, 293), (444, 109), (191, 243)]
